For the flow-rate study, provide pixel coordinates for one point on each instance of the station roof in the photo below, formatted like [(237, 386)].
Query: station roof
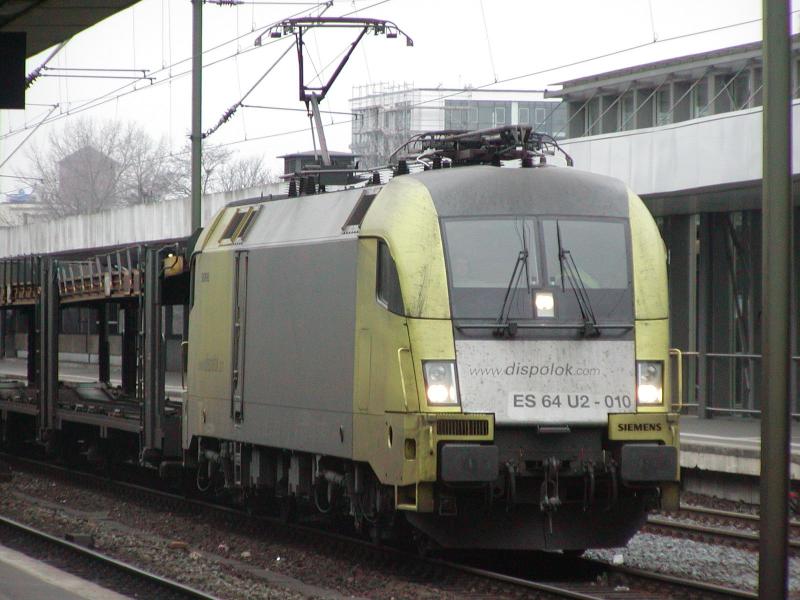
[(50, 22), (307, 153), (690, 66)]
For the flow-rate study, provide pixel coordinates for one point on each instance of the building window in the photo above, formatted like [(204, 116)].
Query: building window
[(663, 105), (757, 87), (524, 116), (796, 81), (485, 117), (700, 99), (500, 116), (540, 114), (627, 105), (741, 90), (593, 117)]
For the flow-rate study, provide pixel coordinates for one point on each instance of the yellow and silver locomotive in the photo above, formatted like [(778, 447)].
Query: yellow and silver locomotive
[(480, 350)]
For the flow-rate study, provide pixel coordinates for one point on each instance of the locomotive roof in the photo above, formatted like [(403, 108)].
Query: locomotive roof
[(459, 191), (487, 190)]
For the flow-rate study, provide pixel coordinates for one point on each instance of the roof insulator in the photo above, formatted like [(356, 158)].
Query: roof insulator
[(402, 167)]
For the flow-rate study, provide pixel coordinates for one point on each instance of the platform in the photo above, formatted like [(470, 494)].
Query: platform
[(728, 445), (25, 578), (81, 372)]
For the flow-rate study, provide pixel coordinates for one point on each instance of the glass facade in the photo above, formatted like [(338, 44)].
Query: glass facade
[(737, 85), (545, 116)]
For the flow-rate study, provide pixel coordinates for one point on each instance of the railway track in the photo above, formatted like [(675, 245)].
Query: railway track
[(588, 580), (745, 519), (716, 526), (108, 572)]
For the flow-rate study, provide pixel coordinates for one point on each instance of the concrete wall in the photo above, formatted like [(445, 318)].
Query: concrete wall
[(710, 151), (138, 223)]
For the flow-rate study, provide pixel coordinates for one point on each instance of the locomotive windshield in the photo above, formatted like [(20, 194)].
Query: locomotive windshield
[(496, 265)]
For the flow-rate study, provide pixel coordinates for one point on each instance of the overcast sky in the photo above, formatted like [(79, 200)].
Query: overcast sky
[(456, 43)]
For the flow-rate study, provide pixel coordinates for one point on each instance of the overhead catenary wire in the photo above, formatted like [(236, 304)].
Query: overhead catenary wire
[(358, 10), (22, 143), (232, 110), (488, 40), (292, 109), (118, 93), (34, 75), (103, 99)]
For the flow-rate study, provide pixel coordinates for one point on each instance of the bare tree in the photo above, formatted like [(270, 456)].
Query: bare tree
[(93, 165), (151, 176), (243, 173), (222, 171), (212, 159)]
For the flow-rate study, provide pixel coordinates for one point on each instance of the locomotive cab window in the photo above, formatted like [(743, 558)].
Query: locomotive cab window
[(388, 281), (529, 268), (238, 225), (492, 264)]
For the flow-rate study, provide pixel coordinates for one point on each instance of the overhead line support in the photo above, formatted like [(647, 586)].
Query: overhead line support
[(777, 292), (197, 106)]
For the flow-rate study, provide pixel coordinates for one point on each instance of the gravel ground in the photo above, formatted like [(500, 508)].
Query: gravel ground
[(260, 562), (698, 560), (718, 503), (216, 556)]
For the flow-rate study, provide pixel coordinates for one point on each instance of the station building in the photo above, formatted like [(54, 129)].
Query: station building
[(386, 115), (685, 134)]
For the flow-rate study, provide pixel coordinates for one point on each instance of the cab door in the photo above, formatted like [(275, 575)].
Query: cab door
[(238, 335), (385, 380)]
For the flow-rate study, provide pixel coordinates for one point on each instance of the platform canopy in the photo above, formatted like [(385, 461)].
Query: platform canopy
[(49, 22)]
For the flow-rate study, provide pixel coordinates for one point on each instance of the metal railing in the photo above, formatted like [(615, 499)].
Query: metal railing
[(699, 383), (113, 274), (20, 280)]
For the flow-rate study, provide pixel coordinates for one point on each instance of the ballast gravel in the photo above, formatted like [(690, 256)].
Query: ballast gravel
[(259, 564), (711, 563), (220, 558)]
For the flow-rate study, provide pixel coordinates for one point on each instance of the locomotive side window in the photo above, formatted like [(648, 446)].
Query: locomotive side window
[(388, 281)]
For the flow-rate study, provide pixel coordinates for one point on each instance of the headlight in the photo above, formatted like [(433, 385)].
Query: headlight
[(545, 304), (649, 382), (440, 382)]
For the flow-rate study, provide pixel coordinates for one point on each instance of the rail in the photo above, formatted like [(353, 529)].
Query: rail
[(145, 581), (697, 381)]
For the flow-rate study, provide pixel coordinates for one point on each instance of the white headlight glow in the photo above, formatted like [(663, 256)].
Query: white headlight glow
[(545, 304), (649, 383), (440, 382)]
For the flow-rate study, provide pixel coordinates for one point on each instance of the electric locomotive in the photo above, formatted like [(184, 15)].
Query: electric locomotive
[(478, 353)]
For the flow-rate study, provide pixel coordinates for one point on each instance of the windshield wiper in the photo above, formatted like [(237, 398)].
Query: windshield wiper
[(573, 275), (505, 328)]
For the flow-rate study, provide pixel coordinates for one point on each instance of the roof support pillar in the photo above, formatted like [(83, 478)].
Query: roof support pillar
[(197, 109), (777, 272)]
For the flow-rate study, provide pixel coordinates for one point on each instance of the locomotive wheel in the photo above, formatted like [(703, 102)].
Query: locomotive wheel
[(425, 546), (287, 509)]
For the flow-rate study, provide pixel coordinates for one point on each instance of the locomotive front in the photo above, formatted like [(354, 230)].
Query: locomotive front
[(554, 326)]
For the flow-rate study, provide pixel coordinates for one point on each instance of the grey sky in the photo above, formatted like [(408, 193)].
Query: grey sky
[(451, 48)]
